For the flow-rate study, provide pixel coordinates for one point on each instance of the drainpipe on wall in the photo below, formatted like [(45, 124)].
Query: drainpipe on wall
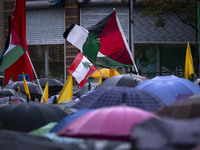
[(131, 22), (1, 26)]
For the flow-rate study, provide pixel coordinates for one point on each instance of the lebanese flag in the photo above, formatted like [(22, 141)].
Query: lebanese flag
[(81, 69), (104, 43), (13, 49), (22, 64)]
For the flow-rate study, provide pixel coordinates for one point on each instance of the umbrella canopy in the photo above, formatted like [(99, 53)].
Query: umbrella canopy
[(29, 116), (90, 144), (169, 88), (105, 72), (8, 92), (66, 120), (12, 100), (117, 95), (44, 129), (33, 88), (190, 108), (197, 81), (113, 123), (119, 80), (78, 92), (66, 107), (166, 134), (15, 140), (55, 85)]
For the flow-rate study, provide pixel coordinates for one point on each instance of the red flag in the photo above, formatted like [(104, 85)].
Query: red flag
[(22, 64)]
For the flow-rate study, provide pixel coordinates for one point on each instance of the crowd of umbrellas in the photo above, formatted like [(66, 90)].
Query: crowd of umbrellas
[(124, 112)]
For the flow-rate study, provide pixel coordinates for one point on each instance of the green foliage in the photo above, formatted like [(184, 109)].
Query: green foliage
[(185, 10), (89, 86)]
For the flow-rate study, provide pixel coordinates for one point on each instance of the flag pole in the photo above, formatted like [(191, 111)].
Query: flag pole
[(127, 46), (35, 75), (102, 74)]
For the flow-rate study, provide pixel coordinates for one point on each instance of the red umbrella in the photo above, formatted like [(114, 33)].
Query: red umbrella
[(113, 123)]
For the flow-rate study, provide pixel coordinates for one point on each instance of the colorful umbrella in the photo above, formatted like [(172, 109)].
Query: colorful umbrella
[(44, 129), (113, 123), (118, 95), (169, 88)]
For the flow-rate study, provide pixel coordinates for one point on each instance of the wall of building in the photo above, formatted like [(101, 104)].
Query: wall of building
[(71, 17), (1, 25)]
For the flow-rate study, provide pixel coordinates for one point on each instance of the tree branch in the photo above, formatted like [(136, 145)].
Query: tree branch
[(188, 23)]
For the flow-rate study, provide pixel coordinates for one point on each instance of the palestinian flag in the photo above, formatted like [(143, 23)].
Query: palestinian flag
[(13, 49), (81, 69), (23, 64), (104, 43)]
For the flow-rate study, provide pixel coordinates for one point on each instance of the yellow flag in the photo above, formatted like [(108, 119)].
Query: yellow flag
[(100, 79), (67, 90), (189, 69), (112, 72), (45, 93), (26, 87)]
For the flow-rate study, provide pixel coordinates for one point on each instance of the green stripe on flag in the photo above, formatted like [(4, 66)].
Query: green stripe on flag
[(106, 62), (91, 47), (11, 57)]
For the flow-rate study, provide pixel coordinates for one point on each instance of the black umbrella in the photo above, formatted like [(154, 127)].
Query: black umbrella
[(166, 134), (15, 140), (29, 116), (55, 85), (118, 95), (66, 107), (78, 92), (8, 92), (12, 100), (33, 88), (119, 80), (187, 109)]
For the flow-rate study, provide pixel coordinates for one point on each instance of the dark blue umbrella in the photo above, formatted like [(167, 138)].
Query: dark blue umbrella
[(62, 123), (118, 95), (169, 88)]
